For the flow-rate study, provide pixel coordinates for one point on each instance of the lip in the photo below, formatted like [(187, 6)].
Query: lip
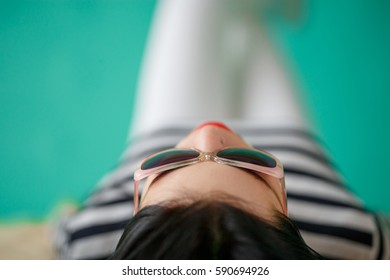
[(217, 124)]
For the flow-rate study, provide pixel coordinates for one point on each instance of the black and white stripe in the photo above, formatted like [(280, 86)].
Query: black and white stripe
[(331, 219)]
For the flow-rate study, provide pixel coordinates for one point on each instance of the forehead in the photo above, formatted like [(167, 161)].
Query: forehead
[(208, 179)]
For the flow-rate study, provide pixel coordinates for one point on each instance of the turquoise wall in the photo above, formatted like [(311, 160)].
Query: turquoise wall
[(68, 73)]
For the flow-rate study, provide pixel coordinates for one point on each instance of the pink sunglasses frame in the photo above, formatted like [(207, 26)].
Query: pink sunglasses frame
[(276, 172)]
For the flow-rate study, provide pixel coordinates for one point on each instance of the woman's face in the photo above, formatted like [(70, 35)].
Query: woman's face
[(210, 180)]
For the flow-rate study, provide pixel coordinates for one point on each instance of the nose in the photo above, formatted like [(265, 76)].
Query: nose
[(210, 139)]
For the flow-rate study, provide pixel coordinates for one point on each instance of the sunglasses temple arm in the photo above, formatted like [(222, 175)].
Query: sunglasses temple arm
[(136, 197), (284, 196)]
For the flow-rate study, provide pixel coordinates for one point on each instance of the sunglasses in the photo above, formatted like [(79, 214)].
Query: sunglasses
[(255, 160)]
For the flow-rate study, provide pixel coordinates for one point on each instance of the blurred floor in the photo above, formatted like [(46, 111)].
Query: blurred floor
[(25, 241)]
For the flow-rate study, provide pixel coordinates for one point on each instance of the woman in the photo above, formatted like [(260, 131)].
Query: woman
[(210, 60)]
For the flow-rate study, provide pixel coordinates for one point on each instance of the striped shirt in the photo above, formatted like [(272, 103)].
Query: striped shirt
[(331, 219)]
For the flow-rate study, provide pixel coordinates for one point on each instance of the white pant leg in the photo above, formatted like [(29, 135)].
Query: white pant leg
[(270, 96), (183, 73)]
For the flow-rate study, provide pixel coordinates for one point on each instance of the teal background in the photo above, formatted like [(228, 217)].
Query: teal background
[(68, 74)]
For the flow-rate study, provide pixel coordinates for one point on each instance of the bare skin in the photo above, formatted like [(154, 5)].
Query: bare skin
[(212, 180)]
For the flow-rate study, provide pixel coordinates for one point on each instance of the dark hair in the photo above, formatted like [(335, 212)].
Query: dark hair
[(209, 230)]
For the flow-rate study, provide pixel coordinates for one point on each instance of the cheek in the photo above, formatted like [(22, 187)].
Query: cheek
[(185, 142)]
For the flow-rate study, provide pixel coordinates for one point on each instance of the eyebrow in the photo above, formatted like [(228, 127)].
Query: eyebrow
[(161, 175), (257, 176)]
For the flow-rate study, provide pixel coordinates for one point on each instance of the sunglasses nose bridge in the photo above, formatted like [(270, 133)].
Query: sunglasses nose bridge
[(207, 156)]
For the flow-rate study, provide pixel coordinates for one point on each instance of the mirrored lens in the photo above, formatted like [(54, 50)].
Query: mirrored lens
[(168, 157), (248, 156)]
